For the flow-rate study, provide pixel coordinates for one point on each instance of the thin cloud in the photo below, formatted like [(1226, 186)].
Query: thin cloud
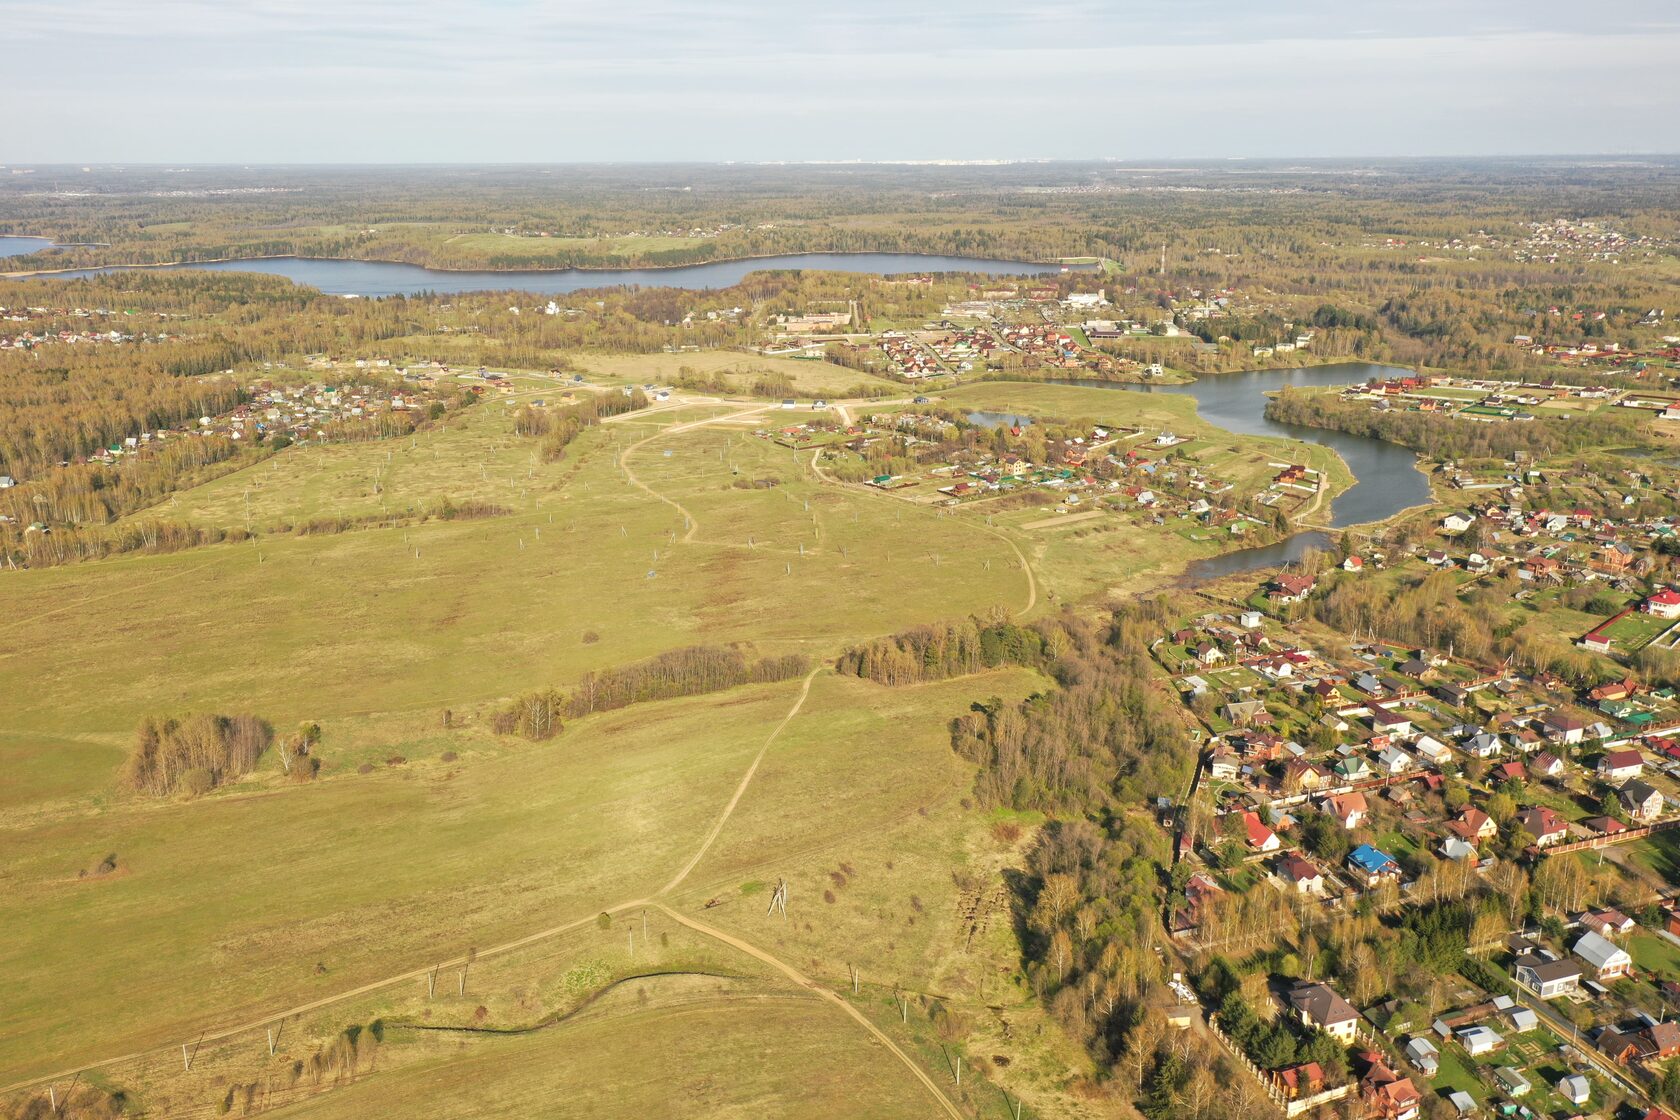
[(397, 80)]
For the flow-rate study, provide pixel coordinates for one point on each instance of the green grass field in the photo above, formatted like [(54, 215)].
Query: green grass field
[(663, 529), (450, 614), (786, 1057)]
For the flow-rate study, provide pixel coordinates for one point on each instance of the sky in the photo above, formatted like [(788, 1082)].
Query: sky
[(445, 81)]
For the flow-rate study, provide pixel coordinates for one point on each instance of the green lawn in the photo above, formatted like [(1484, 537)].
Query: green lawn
[(1655, 954)]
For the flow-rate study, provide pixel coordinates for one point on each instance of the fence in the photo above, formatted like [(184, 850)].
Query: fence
[(1610, 839)]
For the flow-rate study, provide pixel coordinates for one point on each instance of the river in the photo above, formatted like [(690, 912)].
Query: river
[(386, 278), (1388, 480)]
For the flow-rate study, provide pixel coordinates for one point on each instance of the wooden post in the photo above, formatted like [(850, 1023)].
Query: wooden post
[(186, 1062), (271, 1042)]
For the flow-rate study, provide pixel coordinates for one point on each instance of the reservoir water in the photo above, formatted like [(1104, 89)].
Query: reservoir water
[(386, 278), (17, 246)]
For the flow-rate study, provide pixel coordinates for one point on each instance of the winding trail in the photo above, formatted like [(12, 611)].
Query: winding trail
[(806, 982), (689, 519), (739, 944), (655, 901)]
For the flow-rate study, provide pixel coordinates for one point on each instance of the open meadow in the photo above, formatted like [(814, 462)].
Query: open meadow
[(453, 570)]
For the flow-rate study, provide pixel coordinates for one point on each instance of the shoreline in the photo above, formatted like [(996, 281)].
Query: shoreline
[(1047, 266)]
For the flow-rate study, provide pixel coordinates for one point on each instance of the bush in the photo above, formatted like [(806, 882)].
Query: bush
[(196, 782)]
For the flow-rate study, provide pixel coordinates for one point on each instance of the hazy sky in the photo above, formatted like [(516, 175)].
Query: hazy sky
[(529, 80)]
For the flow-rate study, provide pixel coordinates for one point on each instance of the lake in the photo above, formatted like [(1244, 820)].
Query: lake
[(17, 246), (385, 278)]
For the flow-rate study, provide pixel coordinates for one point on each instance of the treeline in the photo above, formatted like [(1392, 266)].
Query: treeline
[(1448, 437), (558, 427), (680, 672), (31, 549), (947, 649), (689, 671), (193, 754)]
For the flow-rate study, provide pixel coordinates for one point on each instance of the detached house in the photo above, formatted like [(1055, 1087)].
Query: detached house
[(1474, 826), (1318, 1005), (1385, 722), (1433, 749), (1606, 960), (1349, 809), (1561, 728), (1457, 521), (1393, 760), (1663, 604), (1387, 1095), (1483, 744), (1372, 865), (1259, 837), (1545, 978), (1641, 801), (1301, 874), (1543, 826), (1289, 587), (1617, 767)]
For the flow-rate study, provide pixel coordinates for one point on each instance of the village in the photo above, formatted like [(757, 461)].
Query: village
[(54, 332), (1155, 477), (1019, 328), (1346, 775), (1491, 401)]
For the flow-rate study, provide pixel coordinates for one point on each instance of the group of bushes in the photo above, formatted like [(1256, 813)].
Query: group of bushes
[(195, 753), (558, 427)]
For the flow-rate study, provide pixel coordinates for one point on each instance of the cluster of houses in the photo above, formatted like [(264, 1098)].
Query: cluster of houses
[(1389, 728), (1493, 400), (1399, 718), (1549, 547), (1483, 1031), (909, 357), (302, 412), (54, 332)]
